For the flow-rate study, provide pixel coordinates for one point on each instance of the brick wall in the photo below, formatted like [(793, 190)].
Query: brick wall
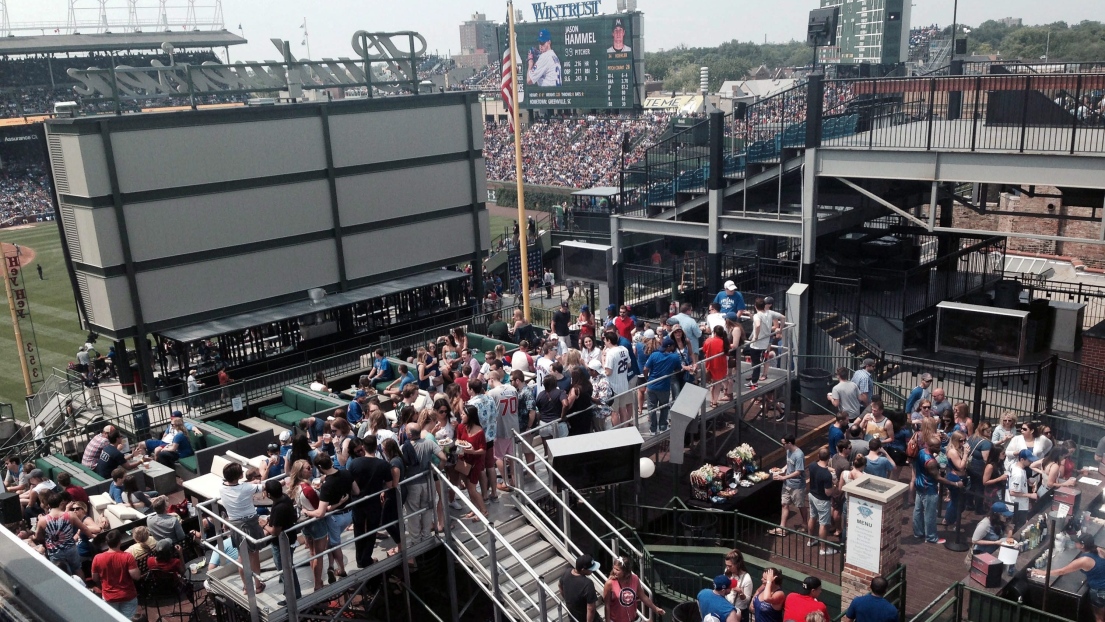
[(1093, 355), (1003, 218), (856, 581)]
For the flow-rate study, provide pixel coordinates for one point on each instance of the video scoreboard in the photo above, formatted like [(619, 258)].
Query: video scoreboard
[(581, 63)]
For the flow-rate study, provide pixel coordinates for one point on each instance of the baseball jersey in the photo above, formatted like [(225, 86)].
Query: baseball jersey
[(546, 70), (618, 364), (506, 403)]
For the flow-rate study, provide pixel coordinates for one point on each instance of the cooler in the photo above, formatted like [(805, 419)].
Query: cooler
[(986, 570)]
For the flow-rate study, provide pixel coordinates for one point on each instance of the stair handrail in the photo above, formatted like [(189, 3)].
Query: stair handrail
[(518, 440), (569, 543), (459, 494)]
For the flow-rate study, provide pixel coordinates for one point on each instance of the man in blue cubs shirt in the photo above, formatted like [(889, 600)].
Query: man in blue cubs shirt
[(730, 299)]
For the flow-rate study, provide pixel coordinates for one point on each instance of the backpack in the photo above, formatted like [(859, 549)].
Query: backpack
[(913, 447), (310, 493), (411, 460)]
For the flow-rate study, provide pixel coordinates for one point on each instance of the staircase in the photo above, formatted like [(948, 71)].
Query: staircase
[(518, 562), (841, 330), (529, 567)]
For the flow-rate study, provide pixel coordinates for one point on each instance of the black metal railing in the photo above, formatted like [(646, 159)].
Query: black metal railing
[(692, 527), (1093, 296), (963, 603), (1023, 113)]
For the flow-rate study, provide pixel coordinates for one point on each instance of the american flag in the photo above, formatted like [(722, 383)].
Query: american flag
[(508, 85)]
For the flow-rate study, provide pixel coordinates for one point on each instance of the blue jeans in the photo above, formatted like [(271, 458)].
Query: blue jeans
[(658, 419), (276, 559), (924, 516), (955, 501), (126, 607)]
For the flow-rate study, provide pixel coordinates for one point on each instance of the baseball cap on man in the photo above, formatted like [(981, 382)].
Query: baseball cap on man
[(810, 584), (618, 23), (1026, 454), (868, 362), (176, 414), (543, 35), (1001, 508), (36, 474), (722, 582), (611, 307), (564, 303), (732, 316), (594, 365), (730, 286), (285, 436), (361, 393), (586, 563), (668, 342), (650, 334)]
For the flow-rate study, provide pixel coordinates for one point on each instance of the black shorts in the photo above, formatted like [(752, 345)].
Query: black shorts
[(1097, 598)]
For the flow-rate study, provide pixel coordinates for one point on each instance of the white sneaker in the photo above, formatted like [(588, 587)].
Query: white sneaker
[(455, 505)]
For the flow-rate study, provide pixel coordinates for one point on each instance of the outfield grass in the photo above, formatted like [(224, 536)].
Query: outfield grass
[(53, 310)]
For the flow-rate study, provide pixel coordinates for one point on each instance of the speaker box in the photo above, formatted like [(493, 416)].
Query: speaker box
[(960, 46), (10, 511), (821, 30)]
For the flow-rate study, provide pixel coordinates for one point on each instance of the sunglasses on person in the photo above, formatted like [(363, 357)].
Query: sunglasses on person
[(1025, 428)]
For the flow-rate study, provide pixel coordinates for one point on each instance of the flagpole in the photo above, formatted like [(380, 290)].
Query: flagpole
[(523, 236)]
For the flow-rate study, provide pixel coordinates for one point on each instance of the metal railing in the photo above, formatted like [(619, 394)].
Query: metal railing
[(964, 603), (1093, 296), (739, 531), (1023, 113)]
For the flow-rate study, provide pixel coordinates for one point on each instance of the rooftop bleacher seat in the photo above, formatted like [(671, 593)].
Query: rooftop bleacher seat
[(297, 402)]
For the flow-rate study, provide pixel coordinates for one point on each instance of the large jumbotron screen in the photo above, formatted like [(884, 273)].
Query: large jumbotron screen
[(581, 63)]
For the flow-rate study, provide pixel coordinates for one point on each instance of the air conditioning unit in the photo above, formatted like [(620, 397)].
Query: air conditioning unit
[(262, 101), (66, 109)]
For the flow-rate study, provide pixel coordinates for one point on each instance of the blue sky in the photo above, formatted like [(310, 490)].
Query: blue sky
[(331, 23)]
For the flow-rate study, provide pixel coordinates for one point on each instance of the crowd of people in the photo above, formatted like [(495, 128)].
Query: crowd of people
[(24, 190), (573, 152), (919, 38)]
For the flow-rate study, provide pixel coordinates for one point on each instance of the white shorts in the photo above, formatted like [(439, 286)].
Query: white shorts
[(625, 400)]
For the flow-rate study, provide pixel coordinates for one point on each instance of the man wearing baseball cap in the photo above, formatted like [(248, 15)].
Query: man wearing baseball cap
[(990, 531), (923, 391), (1090, 562), (578, 590), (864, 381), (658, 369), (543, 65), (561, 318), (618, 35), (1017, 493), (799, 604), (730, 299), (356, 410), (712, 602)]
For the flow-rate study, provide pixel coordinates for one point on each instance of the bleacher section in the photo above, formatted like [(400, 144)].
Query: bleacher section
[(297, 402)]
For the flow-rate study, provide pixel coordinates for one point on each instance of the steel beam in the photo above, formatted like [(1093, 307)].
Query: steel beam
[(761, 226), (1075, 171), (678, 229), (887, 204), (1018, 234)]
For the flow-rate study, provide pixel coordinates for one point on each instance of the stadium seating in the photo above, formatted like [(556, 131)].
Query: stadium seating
[(298, 402)]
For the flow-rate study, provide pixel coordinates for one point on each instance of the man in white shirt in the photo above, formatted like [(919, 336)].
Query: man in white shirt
[(505, 397), (520, 359), (616, 366), (1017, 493), (715, 317), (544, 365), (544, 67)]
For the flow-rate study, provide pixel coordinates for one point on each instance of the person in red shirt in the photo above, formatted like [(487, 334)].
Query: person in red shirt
[(717, 364), (624, 323), (116, 571), (799, 604), (76, 492), (166, 558)]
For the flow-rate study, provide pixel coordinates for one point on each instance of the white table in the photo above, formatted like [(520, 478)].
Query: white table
[(258, 424)]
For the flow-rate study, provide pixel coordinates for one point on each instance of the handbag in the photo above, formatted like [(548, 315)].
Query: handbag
[(463, 467)]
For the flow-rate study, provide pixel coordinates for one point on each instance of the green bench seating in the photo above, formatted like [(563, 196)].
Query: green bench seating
[(51, 471), (208, 440), (92, 475), (232, 430), (479, 344), (299, 402)]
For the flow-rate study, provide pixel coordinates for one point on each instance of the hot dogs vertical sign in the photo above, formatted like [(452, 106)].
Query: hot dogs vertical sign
[(20, 306)]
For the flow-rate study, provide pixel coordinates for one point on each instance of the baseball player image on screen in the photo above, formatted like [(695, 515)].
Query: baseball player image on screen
[(619, 39), (544, 65)]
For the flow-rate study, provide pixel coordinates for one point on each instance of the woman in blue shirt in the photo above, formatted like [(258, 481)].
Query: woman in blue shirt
[(1092, 564)]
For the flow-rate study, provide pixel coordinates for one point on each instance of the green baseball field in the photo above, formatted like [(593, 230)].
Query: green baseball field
[(53, 310)]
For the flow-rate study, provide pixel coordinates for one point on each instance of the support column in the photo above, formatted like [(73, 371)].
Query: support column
[(614, 286), (714, 185), (874, 522), (955, 98), (946, 244)]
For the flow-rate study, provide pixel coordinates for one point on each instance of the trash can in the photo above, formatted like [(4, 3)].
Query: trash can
[(686, 612), (1007, 294), (815, 383), (141, 421), (699, 527)]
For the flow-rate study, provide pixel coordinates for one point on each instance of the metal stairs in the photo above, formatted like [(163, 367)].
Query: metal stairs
[(529, 568)]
